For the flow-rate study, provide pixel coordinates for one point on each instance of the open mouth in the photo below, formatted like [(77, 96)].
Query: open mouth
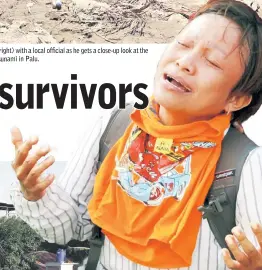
[(177, 84)]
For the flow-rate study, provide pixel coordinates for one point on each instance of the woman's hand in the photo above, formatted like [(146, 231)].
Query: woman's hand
[(247, 257), (27, 168)]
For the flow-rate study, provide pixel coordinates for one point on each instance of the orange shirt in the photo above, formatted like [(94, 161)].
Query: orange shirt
[(150, 185)]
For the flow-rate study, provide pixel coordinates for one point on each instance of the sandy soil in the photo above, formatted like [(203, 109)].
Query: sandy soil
[(93, 21)]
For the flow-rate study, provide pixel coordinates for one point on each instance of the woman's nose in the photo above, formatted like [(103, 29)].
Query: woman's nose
[(186, 64)]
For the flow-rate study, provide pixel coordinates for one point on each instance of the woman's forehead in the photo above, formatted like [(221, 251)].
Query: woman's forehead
[(213, 29)]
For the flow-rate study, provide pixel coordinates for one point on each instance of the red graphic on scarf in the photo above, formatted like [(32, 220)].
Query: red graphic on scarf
[(150, 164)]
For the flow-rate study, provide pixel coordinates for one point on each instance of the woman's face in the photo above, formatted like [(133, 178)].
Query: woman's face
[(199, 69)]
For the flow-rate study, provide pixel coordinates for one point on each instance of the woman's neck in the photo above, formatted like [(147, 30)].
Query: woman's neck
[(181, 118)]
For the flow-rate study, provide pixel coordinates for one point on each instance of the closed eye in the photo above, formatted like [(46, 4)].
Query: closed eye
[(182, 44), (213, 63)]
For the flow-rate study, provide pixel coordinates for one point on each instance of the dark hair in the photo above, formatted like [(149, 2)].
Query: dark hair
[(251, 24)]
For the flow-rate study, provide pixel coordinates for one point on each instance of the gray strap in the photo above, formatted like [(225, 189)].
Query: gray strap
[(220, 205), (96, 242), (93, 257), (116, 127)]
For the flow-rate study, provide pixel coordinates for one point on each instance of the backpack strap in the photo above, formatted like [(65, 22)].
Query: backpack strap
[(116, 127), (220, 205), (118, 122)]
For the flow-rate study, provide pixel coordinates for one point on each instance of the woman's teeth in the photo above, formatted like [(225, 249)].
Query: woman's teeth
[(177, 84)]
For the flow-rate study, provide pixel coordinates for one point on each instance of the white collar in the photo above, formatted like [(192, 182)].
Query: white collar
[(226, 131)]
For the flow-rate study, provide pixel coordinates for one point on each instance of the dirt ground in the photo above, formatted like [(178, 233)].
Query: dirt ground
[(94, 21)]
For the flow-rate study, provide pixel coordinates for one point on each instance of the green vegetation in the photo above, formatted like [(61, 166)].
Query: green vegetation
[(17, 240)]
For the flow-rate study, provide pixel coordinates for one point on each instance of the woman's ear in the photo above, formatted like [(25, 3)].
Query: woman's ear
[(237, 103)]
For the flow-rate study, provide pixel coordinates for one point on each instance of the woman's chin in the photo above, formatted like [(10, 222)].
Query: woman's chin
[(165, 99)]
